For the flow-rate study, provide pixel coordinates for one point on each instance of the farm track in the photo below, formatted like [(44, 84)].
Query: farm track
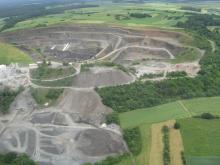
[(185, 108)]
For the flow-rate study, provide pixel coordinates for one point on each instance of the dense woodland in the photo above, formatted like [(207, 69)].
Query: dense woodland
[(147, 94)]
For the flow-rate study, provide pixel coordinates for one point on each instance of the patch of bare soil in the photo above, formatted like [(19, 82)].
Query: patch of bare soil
[(176, 146), (84, 106), (156, 151)]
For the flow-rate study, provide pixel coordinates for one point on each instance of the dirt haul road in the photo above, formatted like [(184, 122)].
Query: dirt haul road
[(60, 135)]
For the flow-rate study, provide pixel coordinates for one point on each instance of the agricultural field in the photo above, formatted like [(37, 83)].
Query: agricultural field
[(158, 15), (202, 146), (9, 54), (182, 112)]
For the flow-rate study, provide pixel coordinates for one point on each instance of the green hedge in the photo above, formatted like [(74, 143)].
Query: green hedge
[(133, 140)]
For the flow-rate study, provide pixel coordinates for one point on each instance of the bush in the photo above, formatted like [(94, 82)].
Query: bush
[(177, 125), (13, 158), (24, 160), (139, 15), (183, 158), (208, 116), (166, 148), (133, 140), (10, 157), (176, 74), (110, 160), (112, 118), (7, 96)]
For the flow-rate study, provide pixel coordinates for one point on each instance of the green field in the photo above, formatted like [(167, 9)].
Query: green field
[(201, 141), (162, 15), (175, 110), (205, 160), (169, 111), (200, 105), (200, 136), (10, 54), (46, 72), (152, 115), (43, 96)]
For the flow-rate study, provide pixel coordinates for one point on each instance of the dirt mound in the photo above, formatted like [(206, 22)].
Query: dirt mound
[(101, 76), (130, 54), (96, 142), (83, 106)]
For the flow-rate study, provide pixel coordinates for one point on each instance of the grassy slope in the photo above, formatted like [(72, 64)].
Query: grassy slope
[(200, 105), (43, 96), (163, 15), (187, 56), (152, 115), (10, 54), (145, 117), (45, 72)]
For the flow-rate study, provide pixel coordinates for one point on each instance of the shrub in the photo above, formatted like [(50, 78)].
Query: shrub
[(139, 15), (7, 96), (208, 116), (112, 118), (13, 158), (177, 125), (133, 139), (110, 160), (166, 148), (10, 157), (176, 74), (24, 160), (183, 158)]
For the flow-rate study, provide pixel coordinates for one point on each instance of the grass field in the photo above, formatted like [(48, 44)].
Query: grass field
[(45, 72), (206, 160), (200, 105), (204, 136), (10, 54), (43, 96), (152, 115), (162, 15), (201, 141), (144, 118)]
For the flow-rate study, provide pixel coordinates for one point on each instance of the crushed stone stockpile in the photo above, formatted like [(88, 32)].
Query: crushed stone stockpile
[(84, 106), (101, 76)]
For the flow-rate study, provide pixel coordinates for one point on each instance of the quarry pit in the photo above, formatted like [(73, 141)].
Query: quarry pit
[(71, 132)]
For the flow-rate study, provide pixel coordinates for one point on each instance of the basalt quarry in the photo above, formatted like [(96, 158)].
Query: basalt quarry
[(73, 131)]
